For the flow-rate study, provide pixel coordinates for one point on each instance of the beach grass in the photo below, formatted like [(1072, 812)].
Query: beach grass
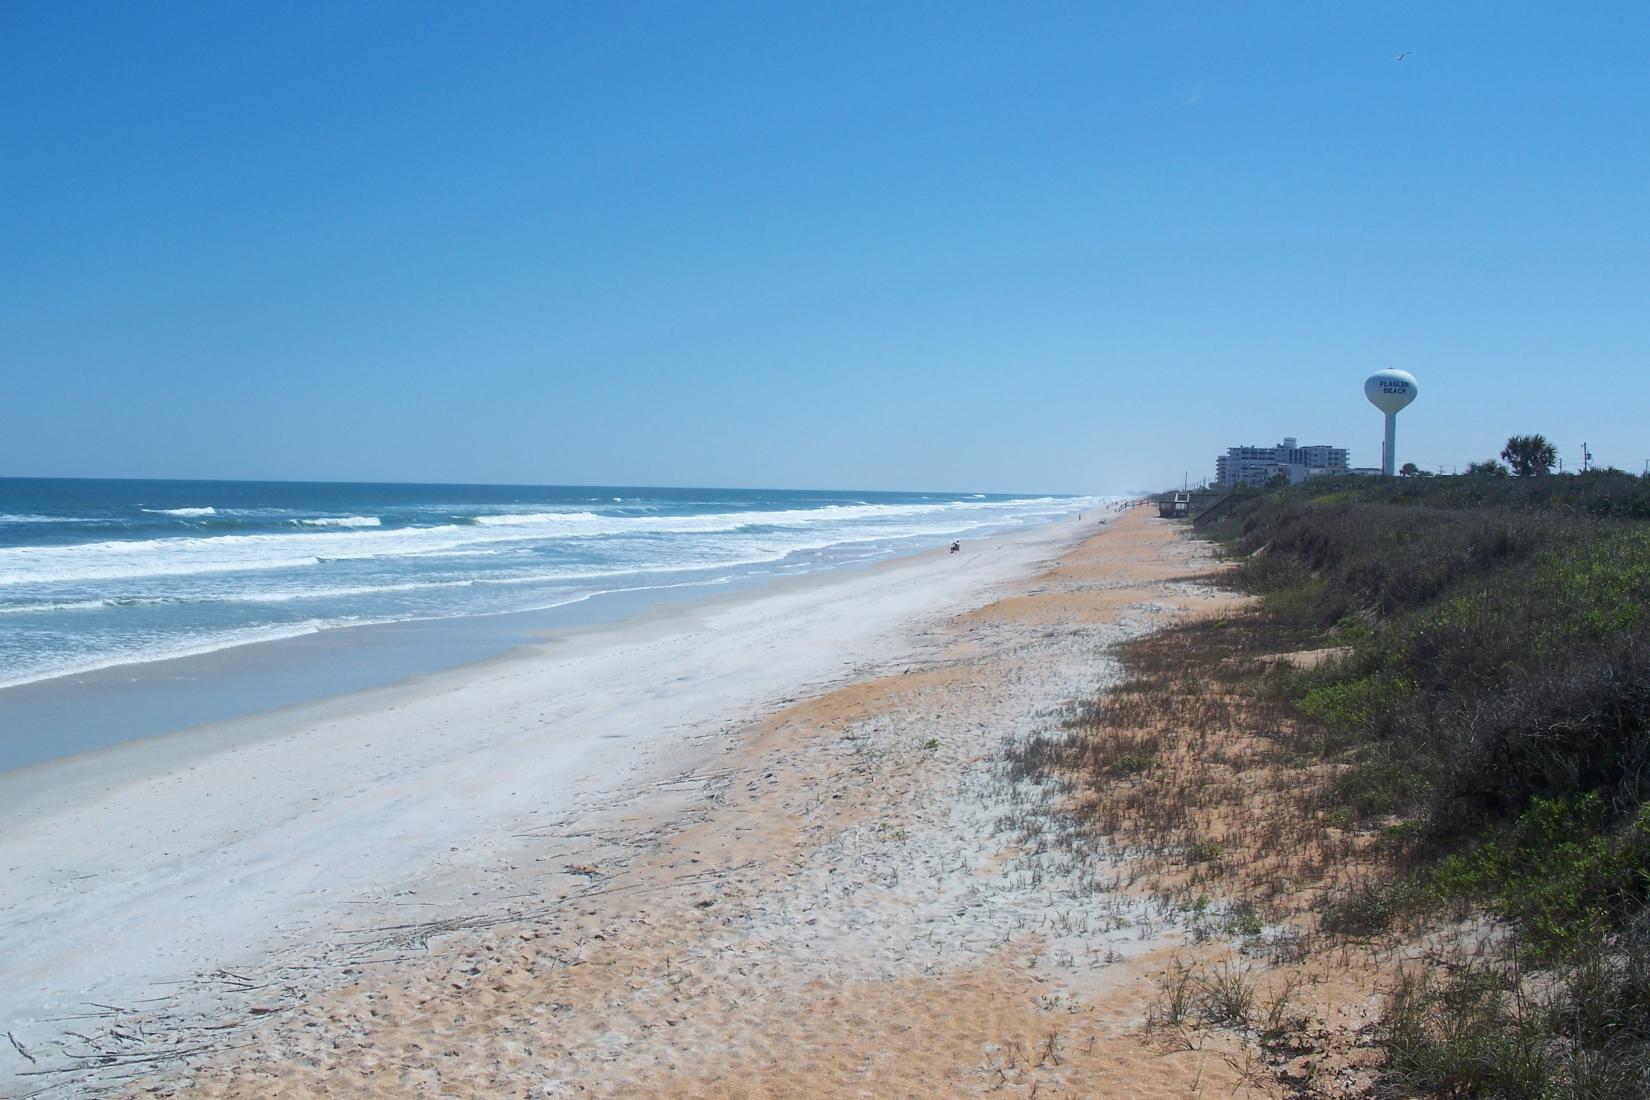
[(1434, 714)]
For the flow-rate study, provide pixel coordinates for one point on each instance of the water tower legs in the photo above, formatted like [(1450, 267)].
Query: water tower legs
[(1389, 449)]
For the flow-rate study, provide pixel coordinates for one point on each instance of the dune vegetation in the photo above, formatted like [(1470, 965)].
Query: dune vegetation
[(1434, 716)]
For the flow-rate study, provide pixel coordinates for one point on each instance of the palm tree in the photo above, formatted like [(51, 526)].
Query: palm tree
[(1530, 455)]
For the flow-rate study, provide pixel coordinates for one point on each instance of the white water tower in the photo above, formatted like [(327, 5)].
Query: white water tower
[(1390, 391)]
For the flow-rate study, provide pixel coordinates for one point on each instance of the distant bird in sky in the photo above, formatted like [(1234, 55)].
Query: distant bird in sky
[(1405, 54)]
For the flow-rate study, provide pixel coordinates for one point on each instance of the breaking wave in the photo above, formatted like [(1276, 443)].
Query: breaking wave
[(341, 521)]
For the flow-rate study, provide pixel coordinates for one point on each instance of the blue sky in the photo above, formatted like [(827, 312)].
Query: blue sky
[(986, 247)]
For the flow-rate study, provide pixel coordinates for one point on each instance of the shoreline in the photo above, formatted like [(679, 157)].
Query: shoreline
[(128, 758), (329, 822), (162, 696)]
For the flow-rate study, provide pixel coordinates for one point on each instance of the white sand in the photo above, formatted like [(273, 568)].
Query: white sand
[(221, 847), (828, 905)]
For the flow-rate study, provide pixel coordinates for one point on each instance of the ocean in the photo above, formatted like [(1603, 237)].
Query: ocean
[(104, 574)]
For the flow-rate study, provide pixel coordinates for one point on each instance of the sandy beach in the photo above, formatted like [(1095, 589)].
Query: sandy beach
[(756, 846), (631, 550)]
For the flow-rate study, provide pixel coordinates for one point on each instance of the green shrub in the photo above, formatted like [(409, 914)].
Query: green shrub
[(1133, 763), (1464, 1039), (1559, 871), (1360, 703), (1205, 851), (1493, 718)]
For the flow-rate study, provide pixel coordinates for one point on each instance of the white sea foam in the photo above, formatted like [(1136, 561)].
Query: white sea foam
[(340, 521), (47, 607), (525, 519), (570, 575), (509, 560), (165, 651), (216, 641), (194, 555), (182, 511), (737, 551), (288, 595)]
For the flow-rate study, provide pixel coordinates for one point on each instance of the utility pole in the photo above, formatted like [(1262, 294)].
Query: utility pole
[(1586, 457)]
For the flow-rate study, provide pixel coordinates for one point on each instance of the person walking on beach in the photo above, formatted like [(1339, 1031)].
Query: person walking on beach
[(955, 546)]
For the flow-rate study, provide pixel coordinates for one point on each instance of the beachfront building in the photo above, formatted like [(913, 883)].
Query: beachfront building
[(1257, 465)]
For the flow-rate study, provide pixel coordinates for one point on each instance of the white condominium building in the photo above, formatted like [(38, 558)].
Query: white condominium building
[(1257, 465)]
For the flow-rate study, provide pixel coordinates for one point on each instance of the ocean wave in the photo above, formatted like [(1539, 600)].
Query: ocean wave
[(30, 517), (50, 606), (198, 645), (524, 519), (751, 546), (714, 522), (488, 557), (47, 607), (181, 647), (181, 511), (341, 592), (178, 556), (569, 575)]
